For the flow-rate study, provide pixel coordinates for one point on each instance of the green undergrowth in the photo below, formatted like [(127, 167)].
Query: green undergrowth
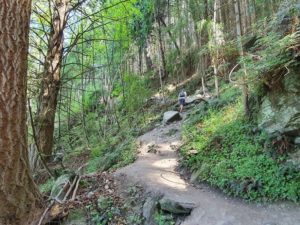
[(162, 218), (235, 159), (113, 152), (47, 186), (115, 148)]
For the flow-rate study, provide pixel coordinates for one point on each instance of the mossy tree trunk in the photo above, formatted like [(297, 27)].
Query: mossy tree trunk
[(18, 193)]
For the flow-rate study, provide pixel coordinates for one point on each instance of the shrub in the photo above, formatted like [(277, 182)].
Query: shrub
[(234, 159)]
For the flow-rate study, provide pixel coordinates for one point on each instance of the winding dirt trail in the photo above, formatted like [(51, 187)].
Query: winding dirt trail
[(156, 172)]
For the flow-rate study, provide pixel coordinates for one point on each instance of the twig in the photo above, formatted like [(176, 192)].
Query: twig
[(234, 82)]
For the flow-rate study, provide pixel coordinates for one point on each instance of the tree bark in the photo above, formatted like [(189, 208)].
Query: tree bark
[(51, 79), (18, 193), (216, 53), (245, 88), (162, 52)]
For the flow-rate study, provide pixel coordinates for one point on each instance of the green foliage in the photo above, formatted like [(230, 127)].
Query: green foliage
[(163, 219), (234, 159), (274, 54), (136, 92), (46, 187), (116, 151), (141, 24)]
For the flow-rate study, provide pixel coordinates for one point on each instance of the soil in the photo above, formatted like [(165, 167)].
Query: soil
[(156, 171)]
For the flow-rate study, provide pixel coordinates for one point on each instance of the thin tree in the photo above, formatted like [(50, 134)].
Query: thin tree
[(244, 84), (18, 193)]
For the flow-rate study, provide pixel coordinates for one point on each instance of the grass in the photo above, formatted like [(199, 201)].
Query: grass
[(233, 158)]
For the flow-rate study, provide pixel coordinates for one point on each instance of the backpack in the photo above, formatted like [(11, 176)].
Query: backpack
[(181, 94)]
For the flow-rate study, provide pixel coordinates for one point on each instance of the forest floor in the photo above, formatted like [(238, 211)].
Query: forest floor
[(157, 171)]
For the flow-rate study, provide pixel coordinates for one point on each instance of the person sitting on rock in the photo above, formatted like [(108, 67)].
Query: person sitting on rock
[(181, 98)]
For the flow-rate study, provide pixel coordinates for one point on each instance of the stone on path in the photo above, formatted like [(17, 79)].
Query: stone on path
[(171, 116), (149, 210), (175, 207), (194, 99)]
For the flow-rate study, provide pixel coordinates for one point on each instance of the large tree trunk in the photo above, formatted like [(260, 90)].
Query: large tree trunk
[(18, 193), (51, 79)]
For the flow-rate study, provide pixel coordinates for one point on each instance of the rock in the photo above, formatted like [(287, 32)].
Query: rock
[(194, 99), (192, 152), (172, 206), (179, 221), (297, 141), (90, 194), (149, 209), (294, 159), (153, 148), (106, 187), (200, 91), (280, 109), (194, 176), (171, 116), (58, 185)]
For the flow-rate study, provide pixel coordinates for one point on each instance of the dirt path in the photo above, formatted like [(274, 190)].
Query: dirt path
[(156, 172)]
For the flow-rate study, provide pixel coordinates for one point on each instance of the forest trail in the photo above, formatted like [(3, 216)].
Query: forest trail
[(155, 170)]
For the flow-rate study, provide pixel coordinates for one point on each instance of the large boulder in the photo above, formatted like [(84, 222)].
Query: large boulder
[(194, 99), (171, 116), (280, 109)]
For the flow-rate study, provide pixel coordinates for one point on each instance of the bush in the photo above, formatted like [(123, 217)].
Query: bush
[(234, 159), (46, 187), (115, 152)]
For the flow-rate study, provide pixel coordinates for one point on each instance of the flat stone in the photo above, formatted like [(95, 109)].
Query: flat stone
[(194, 99), (175, 207), (171, 116)]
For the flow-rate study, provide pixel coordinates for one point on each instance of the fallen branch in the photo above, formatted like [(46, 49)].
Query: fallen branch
[(75, 190), (71, 188), (45, 212)]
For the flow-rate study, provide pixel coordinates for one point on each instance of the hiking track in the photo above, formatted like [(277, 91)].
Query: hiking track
[(155, 170)]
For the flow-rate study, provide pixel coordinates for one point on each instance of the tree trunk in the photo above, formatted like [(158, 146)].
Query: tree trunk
[(18, 193), (245, 88), (162, 52), (51, 79), (215, 53)]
